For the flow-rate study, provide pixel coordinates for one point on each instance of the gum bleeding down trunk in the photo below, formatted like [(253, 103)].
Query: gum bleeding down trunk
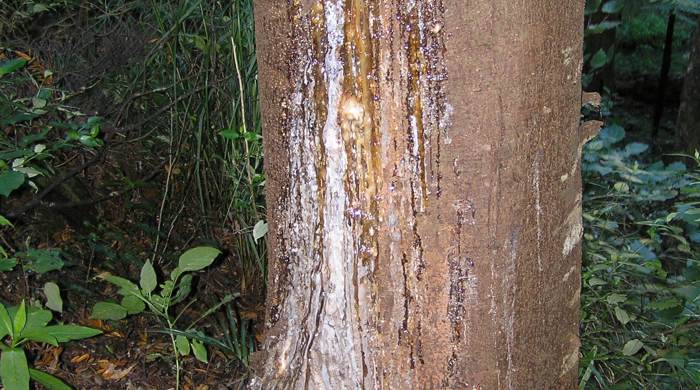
[(424, 193)]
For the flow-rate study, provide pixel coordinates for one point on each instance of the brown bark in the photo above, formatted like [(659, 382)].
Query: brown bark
[(424, 193), (688, 124)]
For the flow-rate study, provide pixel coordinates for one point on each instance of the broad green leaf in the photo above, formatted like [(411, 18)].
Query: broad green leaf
[(183, 345), (37, 318), (615, 298), (40, 335), (12, 65), (149, 280), (600, 58), (635, 148), (5, 323), (200, 351), (42, 261), (126, 286), (10, 181), (108, 311), (612, 134), (64, 333), (632, 347), (259, 230), (7, 264), (47, 380), (197, 258), (14, 369), (133, 304), (622, 315), (20, 319), (53, 297)]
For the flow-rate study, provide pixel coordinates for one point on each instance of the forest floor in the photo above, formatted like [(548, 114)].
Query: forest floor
[(155, 187)]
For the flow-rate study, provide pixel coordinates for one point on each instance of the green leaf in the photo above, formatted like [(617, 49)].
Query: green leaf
[(632, 347), (133, 304), (230, 134), (621, 315), (20, 319), (183, 345), (37, 318), (615, 298), (53, 297), (42, 261), (5, 222), (39, 335), (612, 134), (197, 258), (612, 6), (10, 181), (47, 380), (126, 286), (64, 333), (14, 369), (600, 58), (200, 351), (108, 311), (183, 289), (621, 186), (635, 148), (7, 264), (149, 280), (601, 27), (5, 323), (259, 230), (12, 65)]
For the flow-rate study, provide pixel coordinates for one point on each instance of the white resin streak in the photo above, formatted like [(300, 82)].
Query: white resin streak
[(336, 330)]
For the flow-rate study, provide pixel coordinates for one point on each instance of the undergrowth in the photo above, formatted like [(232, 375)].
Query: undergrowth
[(641, 274)]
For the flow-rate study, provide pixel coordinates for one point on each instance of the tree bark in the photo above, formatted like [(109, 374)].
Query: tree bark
[(424, 193), (688, 123)]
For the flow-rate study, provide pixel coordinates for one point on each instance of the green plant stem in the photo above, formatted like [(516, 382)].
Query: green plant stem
[(176, 354)]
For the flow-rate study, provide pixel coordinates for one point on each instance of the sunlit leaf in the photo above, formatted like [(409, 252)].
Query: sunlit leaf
[(197, 258), (53, 297), (108, 311), (14, 369), (149, 280), (632, 347)]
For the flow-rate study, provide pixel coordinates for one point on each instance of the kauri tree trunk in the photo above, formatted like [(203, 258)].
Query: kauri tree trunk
[(688, 125), (424, 193)]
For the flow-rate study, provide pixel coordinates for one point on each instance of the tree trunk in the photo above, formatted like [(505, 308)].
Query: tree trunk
[(688, 125), (424, 193)]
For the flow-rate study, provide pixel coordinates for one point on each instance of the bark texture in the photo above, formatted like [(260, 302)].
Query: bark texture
[(689, 112), (423, 182)]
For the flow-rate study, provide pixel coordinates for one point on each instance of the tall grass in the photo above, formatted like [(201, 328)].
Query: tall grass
[(204, 52)]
